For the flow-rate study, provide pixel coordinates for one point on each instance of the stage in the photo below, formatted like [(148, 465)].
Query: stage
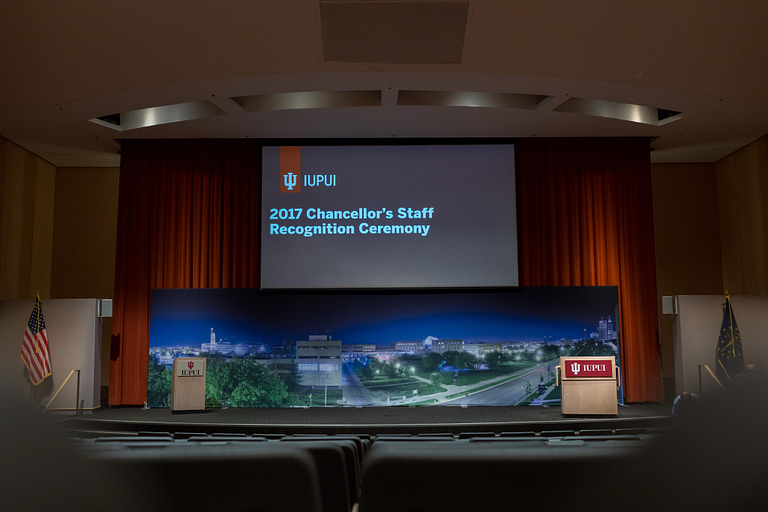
[(367, 420)]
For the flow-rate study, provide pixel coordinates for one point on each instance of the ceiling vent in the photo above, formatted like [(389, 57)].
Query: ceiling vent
[(154, 116), (393, 32), (667, 116), (310, 99), (110, 121), (469, 99), (623, 111)]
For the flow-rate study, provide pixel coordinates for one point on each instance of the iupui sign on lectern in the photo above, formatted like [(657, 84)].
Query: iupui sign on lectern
[(190, 369), (588, 384), (585, 368), (188, 384)]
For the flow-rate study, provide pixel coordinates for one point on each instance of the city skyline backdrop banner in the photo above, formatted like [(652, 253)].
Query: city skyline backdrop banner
[(386, 342)]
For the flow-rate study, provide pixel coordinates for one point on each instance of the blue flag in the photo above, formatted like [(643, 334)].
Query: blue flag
[(730, 357)]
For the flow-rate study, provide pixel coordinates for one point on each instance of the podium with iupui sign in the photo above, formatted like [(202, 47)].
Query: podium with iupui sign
[(188, 384), (588, 385)]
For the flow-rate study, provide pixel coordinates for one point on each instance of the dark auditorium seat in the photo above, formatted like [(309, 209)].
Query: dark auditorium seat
[(425, 439), (557, 433), (187, 435), (360, 436), (596, 432), (104, 447), (133, 439), (226, 439), (495, 476), (352, 465), (606, 438), (527, 433), (271, 437), (362, 445), (333, 475), (364, 441), (235, 478), (632, 431), (472, 435), (149, 433), (532, 439)]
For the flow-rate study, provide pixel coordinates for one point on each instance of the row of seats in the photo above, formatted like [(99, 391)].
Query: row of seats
[(341, 470), (336, 461), (462, 435), (712, 459)]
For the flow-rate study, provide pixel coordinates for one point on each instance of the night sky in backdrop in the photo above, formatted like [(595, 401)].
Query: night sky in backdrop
[(185, 317)]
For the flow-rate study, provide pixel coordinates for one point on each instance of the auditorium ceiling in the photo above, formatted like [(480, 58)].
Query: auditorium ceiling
[(78, 76)]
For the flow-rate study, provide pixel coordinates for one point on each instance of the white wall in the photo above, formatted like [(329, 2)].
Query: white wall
[(696, 329), (74, 339)]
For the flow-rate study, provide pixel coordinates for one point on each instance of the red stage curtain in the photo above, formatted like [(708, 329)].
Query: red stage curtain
[(188, 218), (585, 218)]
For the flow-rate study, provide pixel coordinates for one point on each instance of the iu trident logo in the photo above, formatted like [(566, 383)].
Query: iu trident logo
[(290, 169), (190, 365), (289, 180), (575, 368)]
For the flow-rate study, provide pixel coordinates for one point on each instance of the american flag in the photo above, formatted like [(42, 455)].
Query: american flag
[(34, 348)]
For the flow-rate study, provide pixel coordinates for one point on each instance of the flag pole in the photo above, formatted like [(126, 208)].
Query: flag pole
[(730, 314), (37, 307), (733, 341)]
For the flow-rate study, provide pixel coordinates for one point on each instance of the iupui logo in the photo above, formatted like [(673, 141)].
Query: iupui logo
[(589, 367), (575, 367), (290, 169), (191, 369), (289, 181)]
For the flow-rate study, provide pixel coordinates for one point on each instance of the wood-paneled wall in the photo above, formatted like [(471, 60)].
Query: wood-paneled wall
[(687, 235), (742, 183), (84, 240), (27, 192), (84, 237)]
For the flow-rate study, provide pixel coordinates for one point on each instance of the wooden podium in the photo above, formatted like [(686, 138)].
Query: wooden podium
[(188, 384), (588, 385)]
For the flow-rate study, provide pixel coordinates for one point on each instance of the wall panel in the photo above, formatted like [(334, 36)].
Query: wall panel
[(687, 235), (742, 180), (27, 189), (84, 239)]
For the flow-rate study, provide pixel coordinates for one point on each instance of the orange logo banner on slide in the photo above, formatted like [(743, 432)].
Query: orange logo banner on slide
[(290, 169)]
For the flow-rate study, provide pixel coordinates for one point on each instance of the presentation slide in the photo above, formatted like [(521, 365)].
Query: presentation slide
[(416, 216)]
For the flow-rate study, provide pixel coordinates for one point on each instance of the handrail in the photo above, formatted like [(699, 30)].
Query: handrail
[(77, 397), (713, 376)]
